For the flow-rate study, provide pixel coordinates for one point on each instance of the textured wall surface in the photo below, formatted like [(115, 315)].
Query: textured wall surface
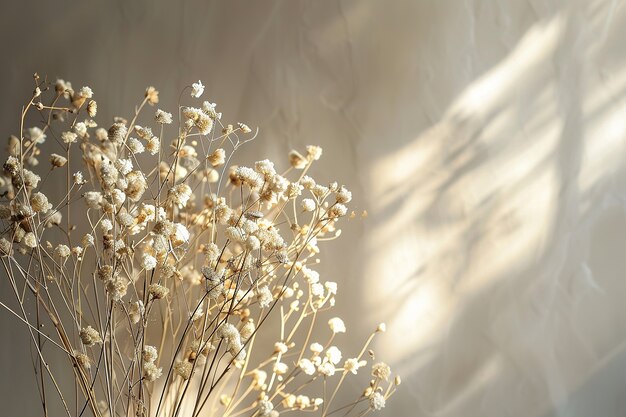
[(487, 140)]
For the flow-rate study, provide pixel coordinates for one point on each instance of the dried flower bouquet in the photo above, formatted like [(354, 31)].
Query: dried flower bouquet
[(163, 273)]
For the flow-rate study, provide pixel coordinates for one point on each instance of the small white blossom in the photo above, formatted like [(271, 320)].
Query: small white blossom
[(381, 370), (136, 311), (326, 369), (135, 146), (353, 364), (86, 92), (36, 135), (313, 152), (280, 368), (338, 210), (337, 325), (62, 251), (218, 157), (149, 353), (87, 240), (158, 291), (30, 240), (117, 286), (333, 354), (118, 196), (308, 204), (79, 179), (183, 368), (80, 129), (265, 408), (307, 366), (90, 336), (197, 89), (93, 199), (153, 145), (343, 196), (179, 195), (163, 117), (377, 401), (39, 203), (57, 161), (151, 372), (264, 296), (317, 290), (244, 127), (148, 262), (316, 348), (106, 225), (124, 166)]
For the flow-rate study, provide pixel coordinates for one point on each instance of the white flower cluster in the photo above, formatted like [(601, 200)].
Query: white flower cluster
[(168, 244)]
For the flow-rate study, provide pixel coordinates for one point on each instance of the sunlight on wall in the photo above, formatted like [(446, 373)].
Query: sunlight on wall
[(482, 216), (433, 160)]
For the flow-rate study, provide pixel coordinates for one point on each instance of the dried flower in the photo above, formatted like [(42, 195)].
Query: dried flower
[(85, 92), (117, 287), (92, 108), (217, 158), (179, 195), (62, 251), (326, 369), (307, 366), (87, 240), (163, 117), (148, 262), (5, 247), (149, 353), (135, 146), (157, 291), (80, 130), (265, 408), (333, 354), (381, 370), (244, 128), (377, 401), (264, 296), (183, 368), (199, 119), (153, 145), (35, 134), (297, 160), (57, 161), (78, 178), (82, 359), (90, 336), (313, 152), (136, 311), (337, 325), (308, 204), (117, 132), (151, 372), (353, 364), (39, 203), (30, 240), (170, 228), (152, 96), (197, 89)]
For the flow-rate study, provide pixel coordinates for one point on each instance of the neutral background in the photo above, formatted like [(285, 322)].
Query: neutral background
[(486, 139)]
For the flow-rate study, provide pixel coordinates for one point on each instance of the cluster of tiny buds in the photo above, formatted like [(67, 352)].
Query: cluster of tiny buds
[(181, 246)]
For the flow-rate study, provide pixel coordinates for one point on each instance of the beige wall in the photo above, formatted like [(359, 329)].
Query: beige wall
[(485, 138)]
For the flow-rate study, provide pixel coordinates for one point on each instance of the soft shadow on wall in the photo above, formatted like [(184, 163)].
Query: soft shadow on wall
[(514, 206)]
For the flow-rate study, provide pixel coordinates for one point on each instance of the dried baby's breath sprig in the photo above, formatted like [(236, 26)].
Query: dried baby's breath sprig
[(164, 268)]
